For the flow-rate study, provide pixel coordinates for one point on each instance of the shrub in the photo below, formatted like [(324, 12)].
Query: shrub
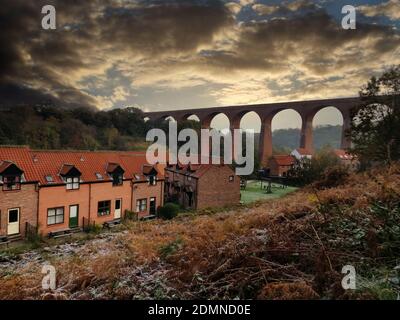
[(92, 228), (168, 211), (308, 171), (131, 215), (332, 177)]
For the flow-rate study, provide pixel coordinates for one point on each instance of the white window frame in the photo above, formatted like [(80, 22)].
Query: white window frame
[(141, 205), (72, 183), (152, 180), (55, 213)]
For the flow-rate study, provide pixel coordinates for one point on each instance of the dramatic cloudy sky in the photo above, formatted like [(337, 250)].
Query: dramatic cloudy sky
[(160, 55)]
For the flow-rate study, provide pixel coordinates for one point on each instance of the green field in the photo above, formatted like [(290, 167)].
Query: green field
[(254, 192)]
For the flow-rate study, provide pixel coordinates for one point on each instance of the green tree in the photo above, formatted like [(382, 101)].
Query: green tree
[(375, 124), (307, 171)]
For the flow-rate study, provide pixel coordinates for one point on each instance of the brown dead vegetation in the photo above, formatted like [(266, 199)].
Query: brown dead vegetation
[(290, 248)]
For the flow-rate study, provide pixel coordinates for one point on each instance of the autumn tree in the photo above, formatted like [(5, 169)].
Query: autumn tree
[(375, 124)]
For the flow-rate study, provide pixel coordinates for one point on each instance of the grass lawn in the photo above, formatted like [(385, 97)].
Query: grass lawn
[(254, 192)]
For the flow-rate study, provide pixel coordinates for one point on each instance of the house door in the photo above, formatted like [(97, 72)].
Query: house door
[(73, 216), (117, 211), (190, 199), (152, 206), (13, 222)]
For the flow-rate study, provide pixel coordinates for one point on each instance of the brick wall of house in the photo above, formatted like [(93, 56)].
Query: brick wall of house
[(26, 200), (143, 190), (106, 191), (215, 189), (59, 196), (184, 181), (277, 170), (283, 170)]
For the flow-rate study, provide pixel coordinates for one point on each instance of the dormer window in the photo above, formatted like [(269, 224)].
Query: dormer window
[(11, 176), (11, 183), (152, 180), (72, 183), (116, 173), (151, 173), (71, 176), (118, 179)]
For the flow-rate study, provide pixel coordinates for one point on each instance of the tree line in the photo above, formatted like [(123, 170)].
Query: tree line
[(51, 127)]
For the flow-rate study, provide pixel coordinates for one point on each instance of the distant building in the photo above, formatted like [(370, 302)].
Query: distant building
[(301, 154), (279, 165), (202, 185), (347, 159)]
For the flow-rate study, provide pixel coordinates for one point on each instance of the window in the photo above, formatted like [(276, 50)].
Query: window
[(55, 216), (72, 183), (104, 208), (13, 215), (118, 204), (141, 205), (152, 180), (11, 183), (117, 179), (231, 178)]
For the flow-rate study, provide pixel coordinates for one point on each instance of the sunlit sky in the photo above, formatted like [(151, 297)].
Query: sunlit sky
[(161, 55)]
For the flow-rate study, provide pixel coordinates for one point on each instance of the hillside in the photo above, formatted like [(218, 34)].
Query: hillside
[(285, 140), (291, 248), (323, 136), (48, 127)]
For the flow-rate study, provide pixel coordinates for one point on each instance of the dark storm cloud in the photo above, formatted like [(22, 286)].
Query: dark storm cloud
[(28, 55), (315, 38), (176, 43), (164, 29), (41, 63), (285, 7)]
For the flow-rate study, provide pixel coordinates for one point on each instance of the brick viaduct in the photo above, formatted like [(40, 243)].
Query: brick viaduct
[(266, 112)]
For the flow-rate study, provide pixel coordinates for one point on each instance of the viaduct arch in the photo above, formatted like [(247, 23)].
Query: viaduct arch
[(266, 112)]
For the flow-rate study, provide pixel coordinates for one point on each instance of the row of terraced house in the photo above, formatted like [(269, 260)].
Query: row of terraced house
[(53, 191)]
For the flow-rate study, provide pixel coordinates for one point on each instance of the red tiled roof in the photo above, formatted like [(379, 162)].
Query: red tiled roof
[(284, 160), (22, 158), (66, 168), (111, 167), (147, 168), (4, 165), (343, 155), (37, 164), (194, 170)]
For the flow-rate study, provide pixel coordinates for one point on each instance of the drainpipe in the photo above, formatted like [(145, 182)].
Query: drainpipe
[(197, 193), (161, 194), (132, 185), (37, 189), (90, 200)]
